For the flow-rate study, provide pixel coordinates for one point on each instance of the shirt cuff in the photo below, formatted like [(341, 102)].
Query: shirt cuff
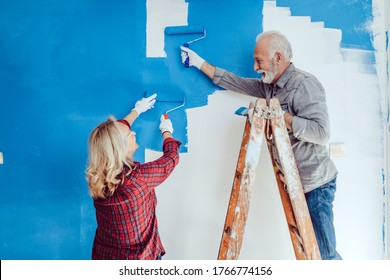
[(298, 126), (167, 140)]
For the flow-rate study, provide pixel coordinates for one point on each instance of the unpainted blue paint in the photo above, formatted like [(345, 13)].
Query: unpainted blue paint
[(64, 67), (353, 17)]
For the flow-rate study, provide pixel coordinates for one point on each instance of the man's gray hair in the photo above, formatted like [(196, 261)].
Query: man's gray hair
[(277, 43)]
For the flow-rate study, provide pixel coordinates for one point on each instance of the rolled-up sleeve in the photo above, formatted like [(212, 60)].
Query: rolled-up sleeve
[(230, 81)]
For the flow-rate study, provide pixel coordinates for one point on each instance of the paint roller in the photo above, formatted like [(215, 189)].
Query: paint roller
[(186, 30), (182, 103), (173, 109)]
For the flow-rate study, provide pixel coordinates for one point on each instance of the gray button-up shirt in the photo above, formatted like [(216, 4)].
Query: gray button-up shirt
[(303, 96)]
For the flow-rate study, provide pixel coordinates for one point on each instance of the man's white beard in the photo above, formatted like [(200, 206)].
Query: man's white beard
[(270, 75)]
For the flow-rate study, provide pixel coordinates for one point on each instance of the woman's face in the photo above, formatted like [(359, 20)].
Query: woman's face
[(130, 137)]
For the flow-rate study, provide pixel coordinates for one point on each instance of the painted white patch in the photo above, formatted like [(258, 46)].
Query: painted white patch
[(162, 13)]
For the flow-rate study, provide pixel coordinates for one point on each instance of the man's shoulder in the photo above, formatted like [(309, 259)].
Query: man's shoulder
[(298, 76), (303, 74)]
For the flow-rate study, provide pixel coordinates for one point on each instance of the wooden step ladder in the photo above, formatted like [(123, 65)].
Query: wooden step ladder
[(267, 122)]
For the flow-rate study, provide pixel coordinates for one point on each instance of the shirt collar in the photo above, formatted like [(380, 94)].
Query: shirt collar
[(281, 82)]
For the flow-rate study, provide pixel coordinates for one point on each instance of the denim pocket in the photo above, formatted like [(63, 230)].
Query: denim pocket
[(324, 194), (327, 195), (328, 191)]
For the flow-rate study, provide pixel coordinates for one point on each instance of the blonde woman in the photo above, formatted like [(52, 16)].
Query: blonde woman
[(123, 190)]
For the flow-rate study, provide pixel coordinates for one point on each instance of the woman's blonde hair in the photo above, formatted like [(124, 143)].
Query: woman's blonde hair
[(107, 157)]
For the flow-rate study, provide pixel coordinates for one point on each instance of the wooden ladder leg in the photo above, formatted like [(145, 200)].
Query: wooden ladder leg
[(287, 207), (300, 226), (244, 178)]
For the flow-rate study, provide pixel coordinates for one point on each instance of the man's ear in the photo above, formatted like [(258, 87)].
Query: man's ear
[(278, 56)]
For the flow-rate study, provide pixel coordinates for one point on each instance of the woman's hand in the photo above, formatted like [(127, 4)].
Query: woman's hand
[(145, 104), (166, 127)]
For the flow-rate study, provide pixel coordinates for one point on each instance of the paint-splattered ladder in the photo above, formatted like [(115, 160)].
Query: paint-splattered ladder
[(268, 122)]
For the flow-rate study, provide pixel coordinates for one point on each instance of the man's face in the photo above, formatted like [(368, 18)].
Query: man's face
[(263, 64), (273, 70)]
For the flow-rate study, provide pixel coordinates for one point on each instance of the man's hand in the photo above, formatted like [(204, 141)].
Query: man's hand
[(194, 58), (288, 118), (145, 104)]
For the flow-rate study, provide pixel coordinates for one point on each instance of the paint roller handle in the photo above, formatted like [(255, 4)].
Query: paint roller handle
[(190, 58), (166, 116)]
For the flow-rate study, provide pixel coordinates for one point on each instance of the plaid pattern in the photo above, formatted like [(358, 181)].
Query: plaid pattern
[(126, 221)]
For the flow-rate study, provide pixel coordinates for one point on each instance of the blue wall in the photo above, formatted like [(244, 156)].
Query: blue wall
[(64, 67)]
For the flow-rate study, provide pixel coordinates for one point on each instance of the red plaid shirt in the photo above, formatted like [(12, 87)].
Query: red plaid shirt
[(126, 221)]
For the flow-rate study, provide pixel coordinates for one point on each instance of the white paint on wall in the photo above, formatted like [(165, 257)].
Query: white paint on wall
[(381, 25), (193, 201), (162, 13), (387, 131)]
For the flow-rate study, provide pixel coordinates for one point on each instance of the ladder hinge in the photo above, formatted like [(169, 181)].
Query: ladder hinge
[(269, 113)]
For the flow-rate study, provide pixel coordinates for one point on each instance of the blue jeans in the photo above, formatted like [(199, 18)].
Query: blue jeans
[(320, 204)]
